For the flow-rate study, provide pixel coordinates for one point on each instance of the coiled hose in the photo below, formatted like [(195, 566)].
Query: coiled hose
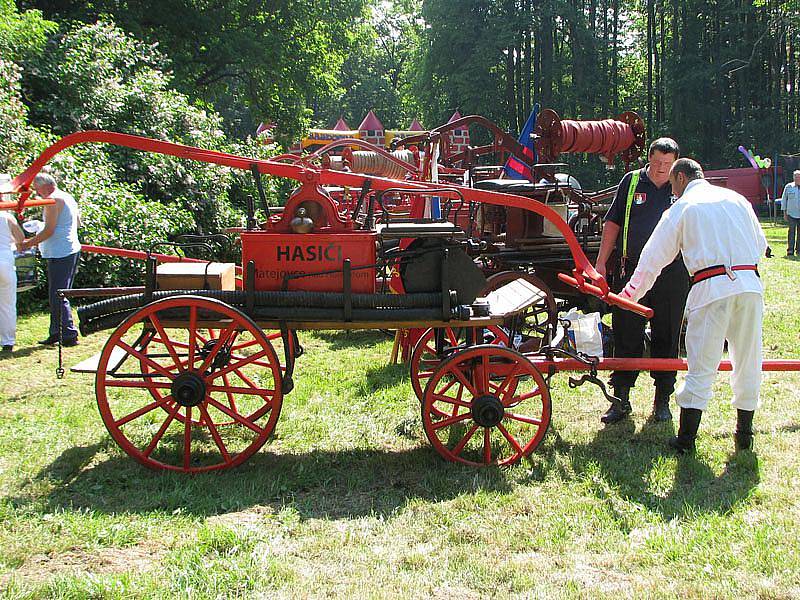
[(328, 306)]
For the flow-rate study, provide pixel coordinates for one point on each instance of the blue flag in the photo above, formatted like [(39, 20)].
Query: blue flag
[(515, 168)]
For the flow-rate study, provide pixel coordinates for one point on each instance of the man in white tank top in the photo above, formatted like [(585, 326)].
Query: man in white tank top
[(11, 236), (59, 245)]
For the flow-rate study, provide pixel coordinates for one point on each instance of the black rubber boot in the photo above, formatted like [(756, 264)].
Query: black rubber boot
[(687, 432), (661, 410), (617, 413), (744, 429)]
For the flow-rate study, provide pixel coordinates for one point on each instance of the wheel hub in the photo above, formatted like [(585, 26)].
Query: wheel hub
[(487, 411), (221, 359), (188, 389)]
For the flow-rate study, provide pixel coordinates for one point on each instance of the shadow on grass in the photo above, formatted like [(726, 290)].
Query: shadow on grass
[(23, 351), (353, 338), (620, 461), (385, 376), (317, 484)]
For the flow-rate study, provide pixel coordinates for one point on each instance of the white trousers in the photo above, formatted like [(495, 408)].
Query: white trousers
[(738, 320), (8, 303)]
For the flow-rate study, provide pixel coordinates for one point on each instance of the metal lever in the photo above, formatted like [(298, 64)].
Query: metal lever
[(592, 378)]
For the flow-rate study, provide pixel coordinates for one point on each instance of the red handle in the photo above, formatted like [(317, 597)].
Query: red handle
[(609, 298)]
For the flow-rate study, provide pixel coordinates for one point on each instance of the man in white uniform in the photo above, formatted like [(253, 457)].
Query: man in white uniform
[(721, 241)]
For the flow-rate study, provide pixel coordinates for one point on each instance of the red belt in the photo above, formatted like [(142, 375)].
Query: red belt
[(717, 270)]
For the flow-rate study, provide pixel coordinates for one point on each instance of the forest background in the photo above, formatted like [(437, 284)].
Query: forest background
[(713, 74)]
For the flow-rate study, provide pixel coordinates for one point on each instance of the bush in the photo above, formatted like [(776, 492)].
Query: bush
[(98, 77)]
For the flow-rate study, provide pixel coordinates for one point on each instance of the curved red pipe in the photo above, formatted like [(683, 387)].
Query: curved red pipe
[(306, 173)]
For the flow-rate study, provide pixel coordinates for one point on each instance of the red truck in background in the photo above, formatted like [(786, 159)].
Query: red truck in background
[(754, 184)]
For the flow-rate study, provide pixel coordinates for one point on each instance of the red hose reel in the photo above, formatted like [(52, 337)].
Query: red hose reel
[(623, 136)]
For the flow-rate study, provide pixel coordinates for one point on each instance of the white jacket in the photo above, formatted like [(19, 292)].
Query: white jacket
[(710, 226)]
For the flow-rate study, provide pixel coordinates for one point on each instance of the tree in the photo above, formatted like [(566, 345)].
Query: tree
[(275, 58)]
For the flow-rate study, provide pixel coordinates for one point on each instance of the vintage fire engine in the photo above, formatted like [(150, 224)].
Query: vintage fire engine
[(199, 358)]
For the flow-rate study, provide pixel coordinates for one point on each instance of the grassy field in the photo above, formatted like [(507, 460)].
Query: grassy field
[(349, 500)]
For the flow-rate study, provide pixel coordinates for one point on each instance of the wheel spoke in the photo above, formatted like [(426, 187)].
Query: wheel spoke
[(459, 399), (240, 390), (222, 340), (484, 373), (187, 439), (228, 393), (243, 345), (235, 416), (252, 384), (215, 434), (165, 339), (259, 363), (160, 433), (451, 421), (245, 361), (448, 400), (192, 332), (517, 399), (511, 439), (464, 440), (142, 411), (524, 418), (487, 445), (143, 357), (430, 348), (462, 378), (504, 388), (143, 384)]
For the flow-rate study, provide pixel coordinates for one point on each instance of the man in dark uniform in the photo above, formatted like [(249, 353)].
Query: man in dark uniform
[(642, 197)]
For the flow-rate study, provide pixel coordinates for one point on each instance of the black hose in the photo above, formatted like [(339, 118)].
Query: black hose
[(296, 299), (110, 321), (323, 306), (278, 313)]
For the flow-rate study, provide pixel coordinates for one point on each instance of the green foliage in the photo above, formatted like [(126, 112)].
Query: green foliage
[(277, 59), (22, 35), (17, 139), (114, 214), (98, 77), (381, 71), (464, 48)]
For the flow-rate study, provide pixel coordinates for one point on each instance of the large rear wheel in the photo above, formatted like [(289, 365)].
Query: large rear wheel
[(203, 393)]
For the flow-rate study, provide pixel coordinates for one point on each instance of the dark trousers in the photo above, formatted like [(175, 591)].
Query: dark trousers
[(60, 273), (667, 298), (794, 242)]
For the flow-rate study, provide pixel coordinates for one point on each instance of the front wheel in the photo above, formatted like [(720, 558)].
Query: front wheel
[(486, 405)]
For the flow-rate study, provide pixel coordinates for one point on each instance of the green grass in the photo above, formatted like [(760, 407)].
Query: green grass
[(349, 499)]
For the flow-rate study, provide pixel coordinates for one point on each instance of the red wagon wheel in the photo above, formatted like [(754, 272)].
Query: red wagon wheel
[(537, 323), (206, 339), (486, 405), (232, 377), (425, 359)]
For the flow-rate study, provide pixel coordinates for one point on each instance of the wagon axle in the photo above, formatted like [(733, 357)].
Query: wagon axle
[(487, 410), (188, 389)]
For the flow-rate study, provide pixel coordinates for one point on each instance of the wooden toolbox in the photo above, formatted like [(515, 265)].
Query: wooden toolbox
[(196, 276)]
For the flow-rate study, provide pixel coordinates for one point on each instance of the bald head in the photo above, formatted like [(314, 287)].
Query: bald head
[(684, 171)]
